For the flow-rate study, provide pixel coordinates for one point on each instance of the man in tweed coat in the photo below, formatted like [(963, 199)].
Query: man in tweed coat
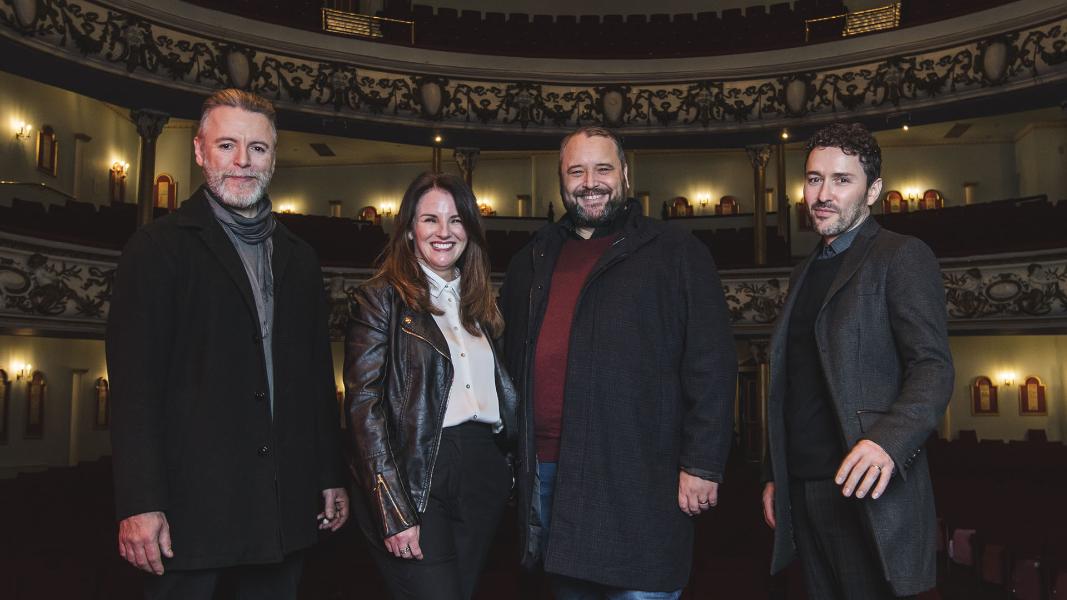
[(860, 376), (619, 340)]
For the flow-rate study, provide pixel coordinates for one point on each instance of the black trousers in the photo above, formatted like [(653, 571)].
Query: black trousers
[(278, 581), (470, 486), (836, 550)]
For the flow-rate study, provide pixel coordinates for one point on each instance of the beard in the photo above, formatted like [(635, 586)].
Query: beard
[(847, 216), (216, 182), (585, 218)]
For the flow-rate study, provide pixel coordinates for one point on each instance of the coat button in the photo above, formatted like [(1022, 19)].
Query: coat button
[(263, 450), (261, 396), (407, 320)]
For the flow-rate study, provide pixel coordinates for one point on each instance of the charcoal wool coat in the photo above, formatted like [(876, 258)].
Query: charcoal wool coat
[(649, 389), (192, 430), (883, 345)]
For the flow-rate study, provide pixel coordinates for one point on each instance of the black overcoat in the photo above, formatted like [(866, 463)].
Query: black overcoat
[(650, 386), (883, 344), (192, 431)]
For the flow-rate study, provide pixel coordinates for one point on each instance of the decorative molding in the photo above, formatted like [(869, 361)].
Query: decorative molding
[(121, 41), (64, 290)]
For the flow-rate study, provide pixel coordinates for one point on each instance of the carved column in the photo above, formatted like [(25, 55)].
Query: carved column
[(149, 124), (74, 428), (759, 350), (435, 162), (759, 155), (467, 159), (783, 197)]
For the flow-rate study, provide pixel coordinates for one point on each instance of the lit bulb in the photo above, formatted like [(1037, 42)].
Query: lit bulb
[(785, 134), (437, 139), (905, 127)]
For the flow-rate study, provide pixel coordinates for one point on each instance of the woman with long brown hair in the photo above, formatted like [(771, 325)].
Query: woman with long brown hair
[(430, 409)]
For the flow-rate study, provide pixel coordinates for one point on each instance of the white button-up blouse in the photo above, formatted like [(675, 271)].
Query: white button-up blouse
[(473, 395)]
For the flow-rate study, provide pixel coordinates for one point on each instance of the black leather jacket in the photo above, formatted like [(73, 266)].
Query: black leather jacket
[(397, 375)]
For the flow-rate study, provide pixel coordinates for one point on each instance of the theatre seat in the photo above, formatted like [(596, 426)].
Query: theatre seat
[(1026, 579), (961, 547), (993, 564)]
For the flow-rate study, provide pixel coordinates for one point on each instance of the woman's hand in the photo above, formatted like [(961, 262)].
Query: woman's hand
[(405, 544)]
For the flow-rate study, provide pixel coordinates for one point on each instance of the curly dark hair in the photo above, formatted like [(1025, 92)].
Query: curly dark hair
[(853, 139)]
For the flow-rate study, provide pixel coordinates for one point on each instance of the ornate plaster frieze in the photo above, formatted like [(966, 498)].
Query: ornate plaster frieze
[(118, 40), (60, 289)]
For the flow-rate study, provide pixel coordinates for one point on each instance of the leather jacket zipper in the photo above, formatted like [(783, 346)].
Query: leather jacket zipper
[(383, 491), (413, 334), (440, 422)]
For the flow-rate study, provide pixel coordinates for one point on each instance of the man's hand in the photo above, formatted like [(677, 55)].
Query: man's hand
[(866, 464), (768, 504), (405, 544), (695, 494), (142, 538), (335, 509)]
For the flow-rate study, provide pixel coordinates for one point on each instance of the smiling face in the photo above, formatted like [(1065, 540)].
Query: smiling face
[(236, 149), (836, 191), (438, 233), (592, 180)]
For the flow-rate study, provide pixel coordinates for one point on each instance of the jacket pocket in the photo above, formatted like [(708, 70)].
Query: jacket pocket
[(868, 418)]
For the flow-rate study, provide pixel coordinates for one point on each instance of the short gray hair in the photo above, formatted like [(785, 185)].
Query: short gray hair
[(236, 98)]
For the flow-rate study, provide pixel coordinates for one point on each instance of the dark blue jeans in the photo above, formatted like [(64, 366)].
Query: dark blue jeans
[(568, 588)]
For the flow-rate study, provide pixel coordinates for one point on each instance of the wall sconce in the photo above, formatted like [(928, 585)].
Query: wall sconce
[(387, 209), (785, 134), (21, 370), (286, 208), (22, 129), (116, 181), (912, 195), (704, 199), (1007, 377)]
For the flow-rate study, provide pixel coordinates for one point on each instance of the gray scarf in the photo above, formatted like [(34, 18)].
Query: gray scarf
[(251, 237), (250, 230)]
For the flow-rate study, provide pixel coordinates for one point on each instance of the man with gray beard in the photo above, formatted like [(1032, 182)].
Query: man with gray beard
[(225, 434), (619, 341)]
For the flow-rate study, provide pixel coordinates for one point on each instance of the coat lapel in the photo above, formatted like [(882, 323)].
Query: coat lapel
[(631, 237), (197, 213), (853, 258), (282, 251), (423, 326)]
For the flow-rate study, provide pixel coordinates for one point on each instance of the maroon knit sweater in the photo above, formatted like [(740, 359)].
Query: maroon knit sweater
[(576, 261)]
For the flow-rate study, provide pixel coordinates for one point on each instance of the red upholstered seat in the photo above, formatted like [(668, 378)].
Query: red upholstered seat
[(961, 547), (1026, 579)]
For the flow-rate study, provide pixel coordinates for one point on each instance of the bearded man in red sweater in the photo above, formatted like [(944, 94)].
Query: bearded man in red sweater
[(619, 340)]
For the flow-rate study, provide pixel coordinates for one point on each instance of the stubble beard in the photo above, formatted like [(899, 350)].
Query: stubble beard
[(846, 218)]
